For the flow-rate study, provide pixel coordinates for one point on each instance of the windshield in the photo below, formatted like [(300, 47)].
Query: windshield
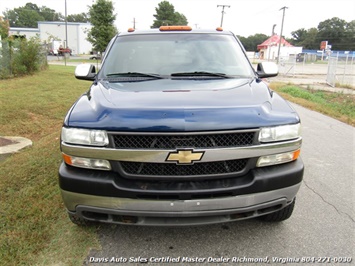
[(174, 55)]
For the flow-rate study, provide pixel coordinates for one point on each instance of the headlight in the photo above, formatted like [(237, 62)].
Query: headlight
[(269, 134), (84, 136)]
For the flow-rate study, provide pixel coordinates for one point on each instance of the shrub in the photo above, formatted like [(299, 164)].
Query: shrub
[(22, 57)]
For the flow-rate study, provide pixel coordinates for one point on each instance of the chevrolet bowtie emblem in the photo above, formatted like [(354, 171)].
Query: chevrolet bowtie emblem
[(184, 156)]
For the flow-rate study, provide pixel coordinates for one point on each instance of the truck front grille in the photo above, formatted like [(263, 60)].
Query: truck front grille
[(190, 140), (173, 170)]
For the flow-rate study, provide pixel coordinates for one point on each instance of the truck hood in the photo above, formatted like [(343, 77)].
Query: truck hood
[(180, 105)]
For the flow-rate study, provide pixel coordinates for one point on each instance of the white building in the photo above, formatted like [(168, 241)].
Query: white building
[(269, 48), (27, 32), (77, 34), (49, 31)]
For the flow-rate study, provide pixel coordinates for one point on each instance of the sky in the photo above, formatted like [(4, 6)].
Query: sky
[(243, 17)]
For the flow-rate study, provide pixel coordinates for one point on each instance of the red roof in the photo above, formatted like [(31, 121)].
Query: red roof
[(274, 41)]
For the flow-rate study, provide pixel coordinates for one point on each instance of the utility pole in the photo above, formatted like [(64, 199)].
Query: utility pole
[(282, 26), (223, 6), (66, 32), (66, 26)]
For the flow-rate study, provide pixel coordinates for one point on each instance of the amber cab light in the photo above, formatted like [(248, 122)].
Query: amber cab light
[(175, 28), (219, 29)]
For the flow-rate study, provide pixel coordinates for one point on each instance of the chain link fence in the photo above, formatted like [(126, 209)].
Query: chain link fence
[(287, 66), (21, 57), (341, 70), (5, 60)]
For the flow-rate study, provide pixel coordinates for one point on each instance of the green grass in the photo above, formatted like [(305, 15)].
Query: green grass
[(337, 105), (35, 229), (78, 60), (92, 61)]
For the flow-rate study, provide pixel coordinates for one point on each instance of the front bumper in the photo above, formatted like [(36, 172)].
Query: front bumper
[(99, 196), (178, 212)]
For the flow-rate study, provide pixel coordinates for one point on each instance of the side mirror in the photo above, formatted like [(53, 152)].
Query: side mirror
[(267, 70), (85, 72)]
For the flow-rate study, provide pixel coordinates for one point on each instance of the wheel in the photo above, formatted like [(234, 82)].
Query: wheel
[(280, 215), (78, 220)]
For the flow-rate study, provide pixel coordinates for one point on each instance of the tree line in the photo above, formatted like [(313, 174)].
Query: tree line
[(338, 32), (28, 15)]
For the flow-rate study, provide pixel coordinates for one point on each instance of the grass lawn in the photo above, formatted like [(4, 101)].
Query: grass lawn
[(337, 105), (78, 60), (35, 229)]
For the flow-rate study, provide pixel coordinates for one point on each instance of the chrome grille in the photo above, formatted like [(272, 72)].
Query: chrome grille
[(171, 169), (173, 141)]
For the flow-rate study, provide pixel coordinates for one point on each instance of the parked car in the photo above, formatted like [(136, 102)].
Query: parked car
[(300, 57), (95, 57)]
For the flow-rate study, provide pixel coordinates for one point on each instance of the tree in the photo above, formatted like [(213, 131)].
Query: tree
[(350, 35), (251, 43), (333, 31), (339, 33), (4, 28), (82, 17), (306, 38), (102, 19), (28, 15), (50, 14), (180, 19), (299, 36), (166, 15)]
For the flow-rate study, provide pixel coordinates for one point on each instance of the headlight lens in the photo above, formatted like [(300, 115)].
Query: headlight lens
[(270, 134), (84, 136)]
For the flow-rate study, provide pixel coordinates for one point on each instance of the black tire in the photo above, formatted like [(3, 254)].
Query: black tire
[(280, 215), (78, 220)]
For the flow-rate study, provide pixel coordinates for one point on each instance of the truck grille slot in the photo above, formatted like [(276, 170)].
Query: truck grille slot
[(173, 141), (169, 169)]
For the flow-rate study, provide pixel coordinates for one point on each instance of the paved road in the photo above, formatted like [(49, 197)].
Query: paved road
[(322, 224)]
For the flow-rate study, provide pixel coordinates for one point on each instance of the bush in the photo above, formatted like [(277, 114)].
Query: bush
[(21, 57)]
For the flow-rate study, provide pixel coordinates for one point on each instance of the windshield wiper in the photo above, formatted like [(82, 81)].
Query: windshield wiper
[(135, 74), (199, 74)]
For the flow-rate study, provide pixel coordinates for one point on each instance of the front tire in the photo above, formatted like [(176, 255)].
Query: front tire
[(280, 215)]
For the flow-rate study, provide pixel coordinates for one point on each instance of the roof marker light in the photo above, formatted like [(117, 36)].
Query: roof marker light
[(131, 30), (219, 29), (175, 28)]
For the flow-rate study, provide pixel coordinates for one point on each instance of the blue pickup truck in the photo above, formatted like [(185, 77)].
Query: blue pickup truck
[(177, 128)]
